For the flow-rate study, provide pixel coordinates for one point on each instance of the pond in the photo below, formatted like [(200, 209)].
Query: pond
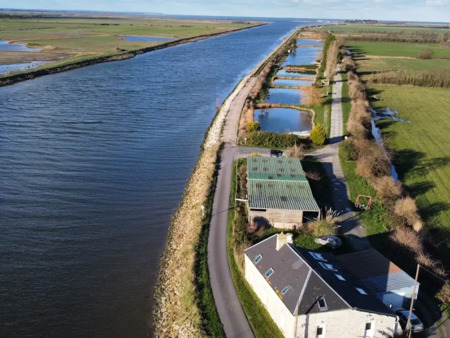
[(281, 120), (15, 47), (20, 66), (143, 38), (309, 42), (284, 72), (302, 56), (280, 82), (284, 96)]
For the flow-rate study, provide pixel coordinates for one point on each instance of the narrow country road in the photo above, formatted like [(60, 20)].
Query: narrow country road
[(329, 157)]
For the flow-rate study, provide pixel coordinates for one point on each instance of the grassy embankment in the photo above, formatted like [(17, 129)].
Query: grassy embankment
[(70, 41)]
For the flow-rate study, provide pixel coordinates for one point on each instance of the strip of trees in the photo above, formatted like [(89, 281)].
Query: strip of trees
[(373, 164), (425, 78)]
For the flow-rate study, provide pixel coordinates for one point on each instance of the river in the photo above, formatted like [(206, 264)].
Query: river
[(93, 162)]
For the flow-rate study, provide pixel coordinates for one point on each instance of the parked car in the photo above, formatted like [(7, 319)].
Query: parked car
[(276, 152), (416, 324), (331, 241)]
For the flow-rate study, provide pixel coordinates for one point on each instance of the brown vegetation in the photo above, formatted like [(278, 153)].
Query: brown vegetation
[(425, 78), (332, 59), (313, 96), (297, 151)]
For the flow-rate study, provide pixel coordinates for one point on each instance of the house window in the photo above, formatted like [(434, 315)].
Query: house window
[(322, 304), (317, 256), (340, 277), (286, 289), (269, 273), (369, 330), (327, 266), (361, 291), (320, 331), (257, 258)]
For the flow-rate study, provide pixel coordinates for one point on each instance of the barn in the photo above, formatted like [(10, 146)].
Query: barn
[(279, 193)]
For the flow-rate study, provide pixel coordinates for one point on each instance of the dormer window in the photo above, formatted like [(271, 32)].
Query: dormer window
[(340, 277), (257, 258), (269, 273), (322, 304)]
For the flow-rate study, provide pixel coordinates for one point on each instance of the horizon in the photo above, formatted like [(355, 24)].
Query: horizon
[(425, 11)]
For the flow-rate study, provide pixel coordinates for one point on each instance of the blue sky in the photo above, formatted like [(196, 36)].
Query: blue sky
[(414, 10)]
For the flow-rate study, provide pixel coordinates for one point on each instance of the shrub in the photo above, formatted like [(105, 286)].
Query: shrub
[(407, 238), (444, 294), (425, 54), (406, 208), (332, 59), (252, 126), (349, 151), (314, 96), (297, 151), (318, 134), (326, 225), (273, 140), (425, 259), (387, 189)]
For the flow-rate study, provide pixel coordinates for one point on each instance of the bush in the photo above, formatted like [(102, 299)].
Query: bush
[(297, 151), (326, 225), (387, 189), (314, 96), (425, 54), (407, 238), (318, 134), (349, 150), (406, 208), (252, 126), (266, 139)]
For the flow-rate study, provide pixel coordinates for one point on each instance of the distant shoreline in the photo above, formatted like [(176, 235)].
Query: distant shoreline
[(32, 74)]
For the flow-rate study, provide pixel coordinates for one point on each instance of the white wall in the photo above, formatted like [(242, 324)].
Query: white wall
[(274, 305)]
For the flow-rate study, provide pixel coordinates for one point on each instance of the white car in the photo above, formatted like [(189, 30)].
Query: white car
[(416, 324), (331, 241)]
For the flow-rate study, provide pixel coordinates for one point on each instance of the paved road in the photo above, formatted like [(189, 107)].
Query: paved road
[(329, 157)]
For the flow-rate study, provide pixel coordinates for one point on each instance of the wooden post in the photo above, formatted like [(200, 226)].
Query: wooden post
[(408, 323)]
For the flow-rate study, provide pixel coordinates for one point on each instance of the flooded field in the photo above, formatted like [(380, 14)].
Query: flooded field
[(15, 47)]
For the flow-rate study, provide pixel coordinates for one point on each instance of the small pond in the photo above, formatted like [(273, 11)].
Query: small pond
[(15, 47), (284, 96), (143, 38), (21, 66), (281, 120), (309, 42), (283, 72), (281, 82), (303, 56)]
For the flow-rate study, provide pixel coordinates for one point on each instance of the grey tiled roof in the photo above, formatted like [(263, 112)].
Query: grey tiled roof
[(291, 268)]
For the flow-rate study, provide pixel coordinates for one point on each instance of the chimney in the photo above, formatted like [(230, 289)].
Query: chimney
[(283, 239)]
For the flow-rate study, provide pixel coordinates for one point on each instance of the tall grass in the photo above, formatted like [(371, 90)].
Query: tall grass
[(425, 78)]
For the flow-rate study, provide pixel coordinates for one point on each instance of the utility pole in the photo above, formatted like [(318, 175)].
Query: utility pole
[(408, 323)]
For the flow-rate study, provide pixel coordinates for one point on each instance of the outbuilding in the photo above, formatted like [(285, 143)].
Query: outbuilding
[(279, 193)]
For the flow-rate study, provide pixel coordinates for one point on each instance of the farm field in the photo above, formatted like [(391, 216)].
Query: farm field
[(404, 49), (369, 64), (364, 29), (422, 153), (80, 38)]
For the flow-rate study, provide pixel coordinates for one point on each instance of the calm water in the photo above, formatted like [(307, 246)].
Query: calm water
[(92, 164), (309, 42), (20, 66), (281, 120), (143, 38), (282, 82), (303, 56), (15, 47), (285, 96), (283, 72)]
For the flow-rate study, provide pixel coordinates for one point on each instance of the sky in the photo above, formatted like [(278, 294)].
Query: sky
[(404, 10)]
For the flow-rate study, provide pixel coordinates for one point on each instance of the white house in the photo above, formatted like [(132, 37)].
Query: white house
[(393, 286), (307, 294)]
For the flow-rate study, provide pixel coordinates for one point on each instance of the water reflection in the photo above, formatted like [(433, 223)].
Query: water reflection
[(281, 120)]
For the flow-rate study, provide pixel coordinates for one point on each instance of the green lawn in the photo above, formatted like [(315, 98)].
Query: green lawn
[(396, 48), (423, 154), (365, 29)]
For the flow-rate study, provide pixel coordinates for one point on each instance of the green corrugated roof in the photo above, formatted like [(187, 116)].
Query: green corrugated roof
[(280, 168), (278, 183)]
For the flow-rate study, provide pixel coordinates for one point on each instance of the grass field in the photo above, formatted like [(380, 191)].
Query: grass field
[(75, 37), (364, 29), (423, 155), (397, 49)]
